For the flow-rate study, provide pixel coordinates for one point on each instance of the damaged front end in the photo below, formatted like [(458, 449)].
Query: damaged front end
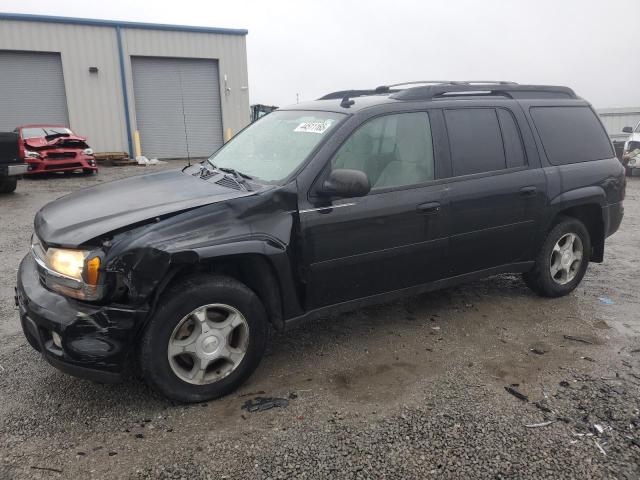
[(58, 154), (84, 317), (102, 257), (89, 341)]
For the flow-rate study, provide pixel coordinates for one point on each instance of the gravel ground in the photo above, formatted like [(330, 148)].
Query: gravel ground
[(409, 389)]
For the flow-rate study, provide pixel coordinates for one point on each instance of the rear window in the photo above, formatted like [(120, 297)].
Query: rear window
[(571, 134)]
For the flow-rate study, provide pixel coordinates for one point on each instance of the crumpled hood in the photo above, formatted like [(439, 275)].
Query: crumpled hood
[(91, 212), (42, 142)]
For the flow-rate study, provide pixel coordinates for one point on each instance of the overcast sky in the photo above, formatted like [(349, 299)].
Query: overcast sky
[(313, 47)]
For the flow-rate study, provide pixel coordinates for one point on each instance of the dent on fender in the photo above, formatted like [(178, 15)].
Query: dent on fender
[(146, 255)]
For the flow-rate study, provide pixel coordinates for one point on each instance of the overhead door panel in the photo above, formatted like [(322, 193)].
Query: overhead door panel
[(31, 89), (177, 106)]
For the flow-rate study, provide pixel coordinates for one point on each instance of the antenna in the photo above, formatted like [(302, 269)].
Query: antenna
[(184, 119)]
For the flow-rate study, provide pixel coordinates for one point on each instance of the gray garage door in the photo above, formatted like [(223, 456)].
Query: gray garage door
[(31, 89), (177, 106)]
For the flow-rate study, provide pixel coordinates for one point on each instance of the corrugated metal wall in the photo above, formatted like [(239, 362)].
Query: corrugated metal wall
[(95, 100), (615, 119), (229, 50)]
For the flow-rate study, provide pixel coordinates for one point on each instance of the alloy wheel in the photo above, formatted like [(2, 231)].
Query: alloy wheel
[(208, 344), (566, 258)]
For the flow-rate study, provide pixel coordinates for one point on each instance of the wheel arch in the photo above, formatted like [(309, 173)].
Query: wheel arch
[(586, 205), (252, 267)]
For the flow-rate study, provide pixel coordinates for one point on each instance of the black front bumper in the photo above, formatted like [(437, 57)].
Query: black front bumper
[(95, 340)]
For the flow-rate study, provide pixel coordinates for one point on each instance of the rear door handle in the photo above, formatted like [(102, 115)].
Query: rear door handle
[(429, 208), (528, 191)]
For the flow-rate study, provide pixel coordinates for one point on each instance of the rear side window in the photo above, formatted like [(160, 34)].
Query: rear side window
[(571, 134), (512, 140), (475, 140)]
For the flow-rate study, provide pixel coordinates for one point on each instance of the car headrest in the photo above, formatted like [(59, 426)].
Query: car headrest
[(360, 143), (411, 138)]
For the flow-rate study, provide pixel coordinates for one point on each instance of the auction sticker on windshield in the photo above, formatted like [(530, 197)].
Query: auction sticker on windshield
[(314, 127)]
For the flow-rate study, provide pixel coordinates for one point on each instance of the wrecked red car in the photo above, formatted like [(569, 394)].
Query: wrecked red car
[(54, 148)]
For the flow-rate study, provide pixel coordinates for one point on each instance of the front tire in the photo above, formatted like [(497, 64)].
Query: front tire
[(562, 260), (205, 339)]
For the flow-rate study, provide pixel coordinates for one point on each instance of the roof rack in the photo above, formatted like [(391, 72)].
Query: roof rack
[(393, 88), (429, 89), (507, 89), (353, 93), (452, 82)]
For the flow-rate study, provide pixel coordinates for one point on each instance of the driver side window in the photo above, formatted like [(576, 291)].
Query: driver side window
[(392, 150)]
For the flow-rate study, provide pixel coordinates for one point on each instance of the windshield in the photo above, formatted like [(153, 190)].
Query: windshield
[(274, 146), (34, 132)]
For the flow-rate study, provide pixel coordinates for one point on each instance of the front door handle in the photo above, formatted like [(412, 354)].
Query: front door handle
[(528, 191), (429, 208)]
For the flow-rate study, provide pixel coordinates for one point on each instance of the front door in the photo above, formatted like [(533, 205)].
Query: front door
[(390, 239)]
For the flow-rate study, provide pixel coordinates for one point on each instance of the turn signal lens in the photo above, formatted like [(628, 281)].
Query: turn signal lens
[(93, 266)]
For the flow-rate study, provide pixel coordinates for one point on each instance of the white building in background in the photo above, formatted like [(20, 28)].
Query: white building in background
[(184, 89), (615, 119)]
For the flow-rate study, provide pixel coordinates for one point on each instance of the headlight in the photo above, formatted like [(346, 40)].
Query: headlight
[(30, 154), (88, 151), (67, 262), (75, 273)]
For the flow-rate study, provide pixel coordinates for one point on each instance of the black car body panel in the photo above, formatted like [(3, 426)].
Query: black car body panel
[(91, 212), (10, 163), (306, 254)]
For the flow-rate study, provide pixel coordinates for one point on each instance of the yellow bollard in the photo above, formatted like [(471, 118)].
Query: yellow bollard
[(136, 143)]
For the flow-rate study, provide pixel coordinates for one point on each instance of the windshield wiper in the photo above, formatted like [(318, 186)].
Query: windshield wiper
[(234, 172), (229, 170), (239, 177)]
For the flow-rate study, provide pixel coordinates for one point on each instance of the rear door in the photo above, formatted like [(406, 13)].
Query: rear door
[(390, 239), (496, 192)]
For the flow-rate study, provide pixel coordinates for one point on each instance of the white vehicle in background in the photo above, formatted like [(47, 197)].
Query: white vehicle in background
[(631, 152)]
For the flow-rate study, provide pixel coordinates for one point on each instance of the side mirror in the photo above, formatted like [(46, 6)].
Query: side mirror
[(627, 130), (346, 183)]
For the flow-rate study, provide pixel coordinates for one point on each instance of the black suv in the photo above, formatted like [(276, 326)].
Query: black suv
[(356, 198)]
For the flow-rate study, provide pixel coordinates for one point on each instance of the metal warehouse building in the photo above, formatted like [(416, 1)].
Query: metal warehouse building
[(615, 119), (184, 89)]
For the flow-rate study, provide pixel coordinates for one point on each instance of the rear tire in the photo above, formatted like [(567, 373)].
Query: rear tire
[(196, 318), (562, 260), (8, 185)]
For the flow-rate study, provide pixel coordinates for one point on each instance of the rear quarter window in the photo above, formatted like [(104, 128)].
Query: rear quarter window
[(571, 134)]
